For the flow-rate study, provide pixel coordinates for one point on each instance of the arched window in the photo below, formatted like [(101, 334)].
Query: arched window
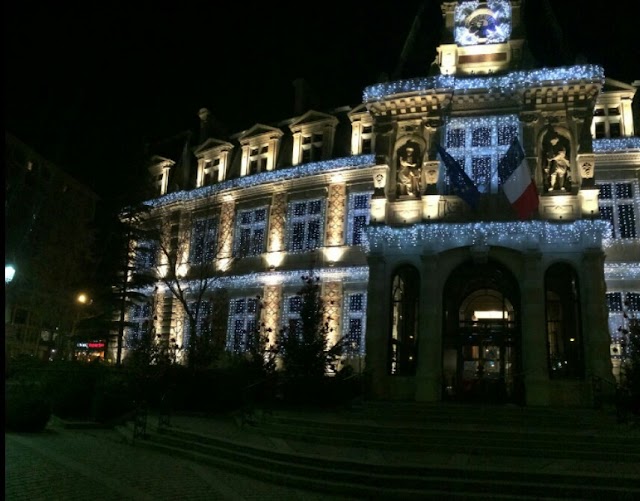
[(404, 322), (564, 330)]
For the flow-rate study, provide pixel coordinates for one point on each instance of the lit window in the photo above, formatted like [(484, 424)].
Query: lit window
[(202, 314), (210, 172), (479, 144), (404, 315), (146, 255), (606, 122), (305, 225), (291, 319), (138, 325), (619, 205), (564, 331), (614, 300), (311, 148), (366, 137), (203, 241), (355, 315), (243, 321), (258, 158), (357, 216), (251, 229)]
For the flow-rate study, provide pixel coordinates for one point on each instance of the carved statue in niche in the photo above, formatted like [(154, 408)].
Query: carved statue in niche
[(409, 169), (556, 160)]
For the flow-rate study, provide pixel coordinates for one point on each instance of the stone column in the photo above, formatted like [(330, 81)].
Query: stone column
[(332, 295), (225, 242), (271, 310), (276, 232), (429, 371), (534, 331), (595, 325), (336, 207), (378, 313)]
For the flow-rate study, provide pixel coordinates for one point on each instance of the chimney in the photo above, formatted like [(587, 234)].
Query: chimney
[(301, 93), (205, 125)]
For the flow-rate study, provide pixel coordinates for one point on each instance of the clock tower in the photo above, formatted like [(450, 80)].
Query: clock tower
[(481, 37)]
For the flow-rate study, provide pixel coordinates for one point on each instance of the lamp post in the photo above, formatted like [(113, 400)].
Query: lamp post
[(82, 300), (9, 274)]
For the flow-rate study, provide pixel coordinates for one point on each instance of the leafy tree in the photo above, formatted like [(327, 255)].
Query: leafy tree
[(306, 351), (261, 355), (126, 282)]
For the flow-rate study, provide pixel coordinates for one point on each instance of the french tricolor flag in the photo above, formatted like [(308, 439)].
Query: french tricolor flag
[(516, 181)]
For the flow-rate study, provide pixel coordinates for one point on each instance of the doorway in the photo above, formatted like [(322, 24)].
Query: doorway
[(481, 345)]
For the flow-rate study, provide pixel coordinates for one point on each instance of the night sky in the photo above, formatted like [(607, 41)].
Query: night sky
[(87, 85)]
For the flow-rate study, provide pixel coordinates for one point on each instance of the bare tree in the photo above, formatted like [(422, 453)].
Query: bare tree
[(187, 251)]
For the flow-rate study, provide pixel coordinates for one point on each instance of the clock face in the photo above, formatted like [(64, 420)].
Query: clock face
[(481, 25), (487, 24)]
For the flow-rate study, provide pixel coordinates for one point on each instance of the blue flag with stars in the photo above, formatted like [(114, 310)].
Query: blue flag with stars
[(461, 184)]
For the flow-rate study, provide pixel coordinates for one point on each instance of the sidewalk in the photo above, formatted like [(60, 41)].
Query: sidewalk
[(95, 465)]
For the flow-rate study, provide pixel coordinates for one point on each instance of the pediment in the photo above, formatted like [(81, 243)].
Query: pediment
[(611, 85), (158, 161), (361, 109), (259, 130), (211, 144), (312, 117)]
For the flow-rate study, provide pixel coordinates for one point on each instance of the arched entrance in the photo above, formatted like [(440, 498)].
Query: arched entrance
[(481, 335)]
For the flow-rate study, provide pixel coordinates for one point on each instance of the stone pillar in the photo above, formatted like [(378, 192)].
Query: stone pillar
[(332, 295), (534, 331), (225, 242), (429, 370), (276, 232), (200, 175), (378, 313), (336, 207), (271, 310), (595, 325)]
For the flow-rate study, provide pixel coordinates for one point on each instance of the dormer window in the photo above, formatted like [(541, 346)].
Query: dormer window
[(362, 139), (259, 149), (313, 136), (367, 140), (210, 174), (312, 148), (159, 173), (606, 122), (213, 158), (259, 159)]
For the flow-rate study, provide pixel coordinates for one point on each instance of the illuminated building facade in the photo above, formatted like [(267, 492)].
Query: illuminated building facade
[(442, 293)]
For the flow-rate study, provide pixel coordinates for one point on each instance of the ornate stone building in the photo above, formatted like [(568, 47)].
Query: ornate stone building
[(446, 286)]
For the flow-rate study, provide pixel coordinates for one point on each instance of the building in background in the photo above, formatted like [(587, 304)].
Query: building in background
[(48, 242), (475, 230)]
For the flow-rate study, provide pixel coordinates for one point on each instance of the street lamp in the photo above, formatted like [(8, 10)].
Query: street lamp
[(9, 273), (82, 300)]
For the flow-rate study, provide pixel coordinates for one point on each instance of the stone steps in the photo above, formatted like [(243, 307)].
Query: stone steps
[(332, 453)]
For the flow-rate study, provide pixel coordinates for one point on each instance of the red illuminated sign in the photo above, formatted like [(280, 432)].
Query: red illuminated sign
[(95, 345)]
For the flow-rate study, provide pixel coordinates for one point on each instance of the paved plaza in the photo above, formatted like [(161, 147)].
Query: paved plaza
[(91, 465)]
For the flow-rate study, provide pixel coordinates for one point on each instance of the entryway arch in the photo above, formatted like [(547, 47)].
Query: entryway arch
[(481, 348)]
